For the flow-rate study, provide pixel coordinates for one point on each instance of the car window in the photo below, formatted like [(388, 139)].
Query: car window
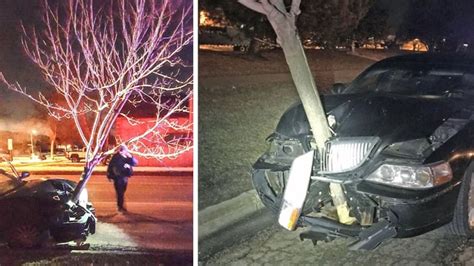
[(416, 79)]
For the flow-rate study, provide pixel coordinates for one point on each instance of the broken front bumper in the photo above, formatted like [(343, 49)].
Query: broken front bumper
[(393, 218), (76, 224), (381, 211)]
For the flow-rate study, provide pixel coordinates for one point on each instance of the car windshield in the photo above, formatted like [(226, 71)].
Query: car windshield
[(8, 180), (414, 79)]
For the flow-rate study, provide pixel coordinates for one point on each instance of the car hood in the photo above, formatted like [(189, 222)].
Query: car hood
[(43, 189), (392, 118)]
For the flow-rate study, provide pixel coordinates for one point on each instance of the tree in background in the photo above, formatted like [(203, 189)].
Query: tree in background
[(254, 25), (374, 24), (430, 20), (105, 58), (57, 130), (331, 21)]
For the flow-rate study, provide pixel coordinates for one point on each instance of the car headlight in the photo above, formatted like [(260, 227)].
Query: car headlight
[(415, 177)]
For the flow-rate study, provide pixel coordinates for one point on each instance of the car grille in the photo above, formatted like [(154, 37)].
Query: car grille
[(346, 154)]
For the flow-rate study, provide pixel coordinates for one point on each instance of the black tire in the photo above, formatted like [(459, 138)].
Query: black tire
[(460, 223), (24, 235)]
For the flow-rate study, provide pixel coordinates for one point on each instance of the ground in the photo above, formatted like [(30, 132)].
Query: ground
[(157, 229), (240, 102), (276, 246)]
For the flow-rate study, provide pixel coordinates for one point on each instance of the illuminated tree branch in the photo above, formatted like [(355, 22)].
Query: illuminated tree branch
[(105, 57)]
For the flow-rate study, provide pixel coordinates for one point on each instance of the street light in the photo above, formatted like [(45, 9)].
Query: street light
[(33, 132)]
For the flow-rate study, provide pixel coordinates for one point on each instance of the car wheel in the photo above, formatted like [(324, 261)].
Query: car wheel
[(74, 159), (24, 236), (463, 217)]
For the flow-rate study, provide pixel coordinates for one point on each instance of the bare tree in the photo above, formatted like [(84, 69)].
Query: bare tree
[(53, 124), (107, 58), (283, 21)]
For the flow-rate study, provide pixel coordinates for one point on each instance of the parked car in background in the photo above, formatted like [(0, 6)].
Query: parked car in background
[(229, 35), (33, 210), (401, 155), (76, 155)]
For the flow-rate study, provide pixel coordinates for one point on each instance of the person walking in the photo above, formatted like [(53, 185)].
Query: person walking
[(119, 170)]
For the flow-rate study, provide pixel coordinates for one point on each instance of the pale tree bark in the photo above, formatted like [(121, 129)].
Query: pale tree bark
[(104, 59), (283, 21), (53, 139)]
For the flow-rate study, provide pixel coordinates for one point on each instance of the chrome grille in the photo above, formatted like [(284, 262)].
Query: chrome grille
[(346, 154)]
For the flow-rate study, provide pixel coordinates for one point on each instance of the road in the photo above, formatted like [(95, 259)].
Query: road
[(159, 220)]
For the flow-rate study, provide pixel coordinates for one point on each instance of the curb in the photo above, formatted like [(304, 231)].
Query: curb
[(227, 213)]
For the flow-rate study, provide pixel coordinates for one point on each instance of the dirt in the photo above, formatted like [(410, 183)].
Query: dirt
[(239, 107)]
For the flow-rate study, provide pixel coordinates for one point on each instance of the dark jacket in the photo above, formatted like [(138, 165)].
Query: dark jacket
[(117, 169)]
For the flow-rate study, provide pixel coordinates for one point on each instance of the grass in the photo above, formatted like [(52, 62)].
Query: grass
[(212, 64)]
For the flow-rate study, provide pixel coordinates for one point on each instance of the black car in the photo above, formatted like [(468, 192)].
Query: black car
[(399, 163), (34, 211)]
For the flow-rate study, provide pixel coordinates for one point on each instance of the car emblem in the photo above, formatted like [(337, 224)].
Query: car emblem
[(331, 121)]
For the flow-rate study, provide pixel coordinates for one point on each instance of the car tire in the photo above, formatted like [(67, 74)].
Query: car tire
[(24, 235), (74, 159), (460, 223)]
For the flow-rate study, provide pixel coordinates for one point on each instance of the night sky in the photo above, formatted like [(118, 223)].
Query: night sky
[(14, 63), (16, 66)]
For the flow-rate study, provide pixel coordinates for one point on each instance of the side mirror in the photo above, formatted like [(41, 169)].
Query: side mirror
[(338, 88), (24, 175)]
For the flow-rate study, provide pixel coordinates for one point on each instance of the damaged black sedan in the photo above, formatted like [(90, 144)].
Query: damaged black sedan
[(399, 163), (34, 212)]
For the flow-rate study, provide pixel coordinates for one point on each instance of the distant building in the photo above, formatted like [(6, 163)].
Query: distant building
[(146, 116)]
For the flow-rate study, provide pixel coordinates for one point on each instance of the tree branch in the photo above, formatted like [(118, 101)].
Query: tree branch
[(254, 5), (295, 7)]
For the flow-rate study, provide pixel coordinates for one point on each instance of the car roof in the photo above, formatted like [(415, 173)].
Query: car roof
[(454, 59)]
